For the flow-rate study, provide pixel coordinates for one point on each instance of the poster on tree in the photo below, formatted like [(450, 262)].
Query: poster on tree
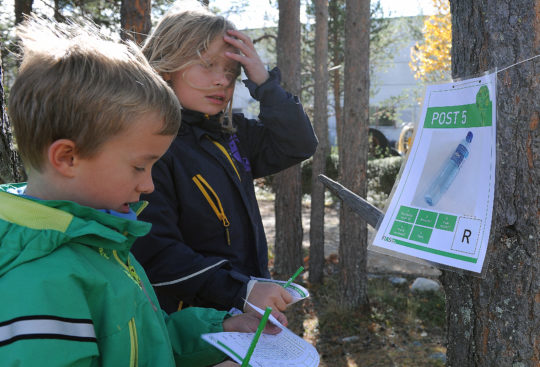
[(442, 203)]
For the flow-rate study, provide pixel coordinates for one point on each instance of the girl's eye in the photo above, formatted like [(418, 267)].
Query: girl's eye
[(229, 76), (139, 169)]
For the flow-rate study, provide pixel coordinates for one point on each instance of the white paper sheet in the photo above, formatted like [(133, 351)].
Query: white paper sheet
[(284, 349), (453, 230)]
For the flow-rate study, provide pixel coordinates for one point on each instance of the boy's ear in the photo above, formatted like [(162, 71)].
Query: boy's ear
[(62, 156)]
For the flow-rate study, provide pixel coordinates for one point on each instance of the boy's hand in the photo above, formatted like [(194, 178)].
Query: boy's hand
[(248, 323), (248, 57), (227, 364)]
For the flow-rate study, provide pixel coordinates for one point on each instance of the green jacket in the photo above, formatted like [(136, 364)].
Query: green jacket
[(71, 294)]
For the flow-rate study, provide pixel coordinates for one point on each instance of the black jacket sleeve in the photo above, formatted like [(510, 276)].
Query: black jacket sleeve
[(283, 136)]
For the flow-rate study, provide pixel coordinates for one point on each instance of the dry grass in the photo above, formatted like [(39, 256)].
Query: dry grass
[(402, 329)]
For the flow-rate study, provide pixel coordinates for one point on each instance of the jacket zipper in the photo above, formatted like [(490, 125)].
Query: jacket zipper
[(134, 354), (132, 273), (218, 209), (226, 154), (134, 341)]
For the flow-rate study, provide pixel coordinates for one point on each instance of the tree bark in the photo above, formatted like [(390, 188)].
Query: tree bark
[(22, 8), (288, 204), (320, 122), (495, 320), (10, 164), (353, 154), (135, 19), (333, 12)]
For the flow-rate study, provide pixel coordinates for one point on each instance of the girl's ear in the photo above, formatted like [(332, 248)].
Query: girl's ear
[(62, 157)]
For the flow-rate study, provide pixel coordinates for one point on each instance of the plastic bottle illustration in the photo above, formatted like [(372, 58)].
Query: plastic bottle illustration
[(448, 172)]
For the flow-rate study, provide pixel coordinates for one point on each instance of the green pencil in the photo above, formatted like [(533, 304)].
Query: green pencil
[(262, 324), (294, 276)]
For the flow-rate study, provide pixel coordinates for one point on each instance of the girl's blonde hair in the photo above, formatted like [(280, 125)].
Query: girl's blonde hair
[(179, 40)]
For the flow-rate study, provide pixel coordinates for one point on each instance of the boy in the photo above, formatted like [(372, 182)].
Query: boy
[(90, 118)]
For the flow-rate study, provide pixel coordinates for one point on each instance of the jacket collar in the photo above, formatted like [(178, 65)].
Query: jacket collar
[(211, 124), (32, 228)]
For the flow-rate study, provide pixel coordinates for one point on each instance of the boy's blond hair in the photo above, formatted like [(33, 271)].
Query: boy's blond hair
[(74, 83), (181, 37)]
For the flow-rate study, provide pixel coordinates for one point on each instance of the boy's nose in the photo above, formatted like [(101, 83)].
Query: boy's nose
[(146, 186)]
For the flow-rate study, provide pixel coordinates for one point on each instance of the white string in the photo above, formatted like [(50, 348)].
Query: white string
[(517, 63)]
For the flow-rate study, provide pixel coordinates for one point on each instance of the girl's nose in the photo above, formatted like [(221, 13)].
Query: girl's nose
[(221, 79)]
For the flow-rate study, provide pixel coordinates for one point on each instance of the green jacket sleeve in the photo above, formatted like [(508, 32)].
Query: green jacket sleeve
[(185, 329), (44, 322)]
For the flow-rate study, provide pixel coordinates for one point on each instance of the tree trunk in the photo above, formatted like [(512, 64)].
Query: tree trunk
[(320, 122), (337, 60), (10, 164), (353, 160), (495, 321), (22, 8), (57, 11), (135, 19), (288, 205)]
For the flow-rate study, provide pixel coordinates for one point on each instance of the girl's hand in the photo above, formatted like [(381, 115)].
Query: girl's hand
[(271, 295), (248, 323), (248, 57)]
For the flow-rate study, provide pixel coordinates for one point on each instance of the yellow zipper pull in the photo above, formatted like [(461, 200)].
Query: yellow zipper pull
[(228, 236), (226, 224)]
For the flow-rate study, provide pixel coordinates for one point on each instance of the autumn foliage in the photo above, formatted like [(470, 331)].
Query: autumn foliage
[(430, 58)]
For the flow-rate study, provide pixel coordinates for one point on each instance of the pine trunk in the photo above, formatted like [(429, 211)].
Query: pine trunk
[(353, 154), (10, 164), (135, 19), (22, 8), (333, 12), (288, 204), (320, 122), (495, 320)]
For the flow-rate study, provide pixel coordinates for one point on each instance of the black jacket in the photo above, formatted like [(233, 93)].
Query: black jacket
[(203, 255)]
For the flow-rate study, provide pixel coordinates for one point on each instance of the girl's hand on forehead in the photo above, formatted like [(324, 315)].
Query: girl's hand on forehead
[(248, 57)]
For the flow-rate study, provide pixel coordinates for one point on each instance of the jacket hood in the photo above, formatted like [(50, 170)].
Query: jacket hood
[(33, 228)]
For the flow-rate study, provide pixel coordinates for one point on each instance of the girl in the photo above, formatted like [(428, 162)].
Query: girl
[(207, 236)]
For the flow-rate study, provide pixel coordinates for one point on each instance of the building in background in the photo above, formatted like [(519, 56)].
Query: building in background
[(395, 91)]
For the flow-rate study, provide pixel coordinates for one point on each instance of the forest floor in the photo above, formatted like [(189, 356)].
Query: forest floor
[(403, 328)]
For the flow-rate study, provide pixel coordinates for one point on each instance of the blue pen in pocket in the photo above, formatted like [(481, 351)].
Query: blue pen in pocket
[(448, 172)]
